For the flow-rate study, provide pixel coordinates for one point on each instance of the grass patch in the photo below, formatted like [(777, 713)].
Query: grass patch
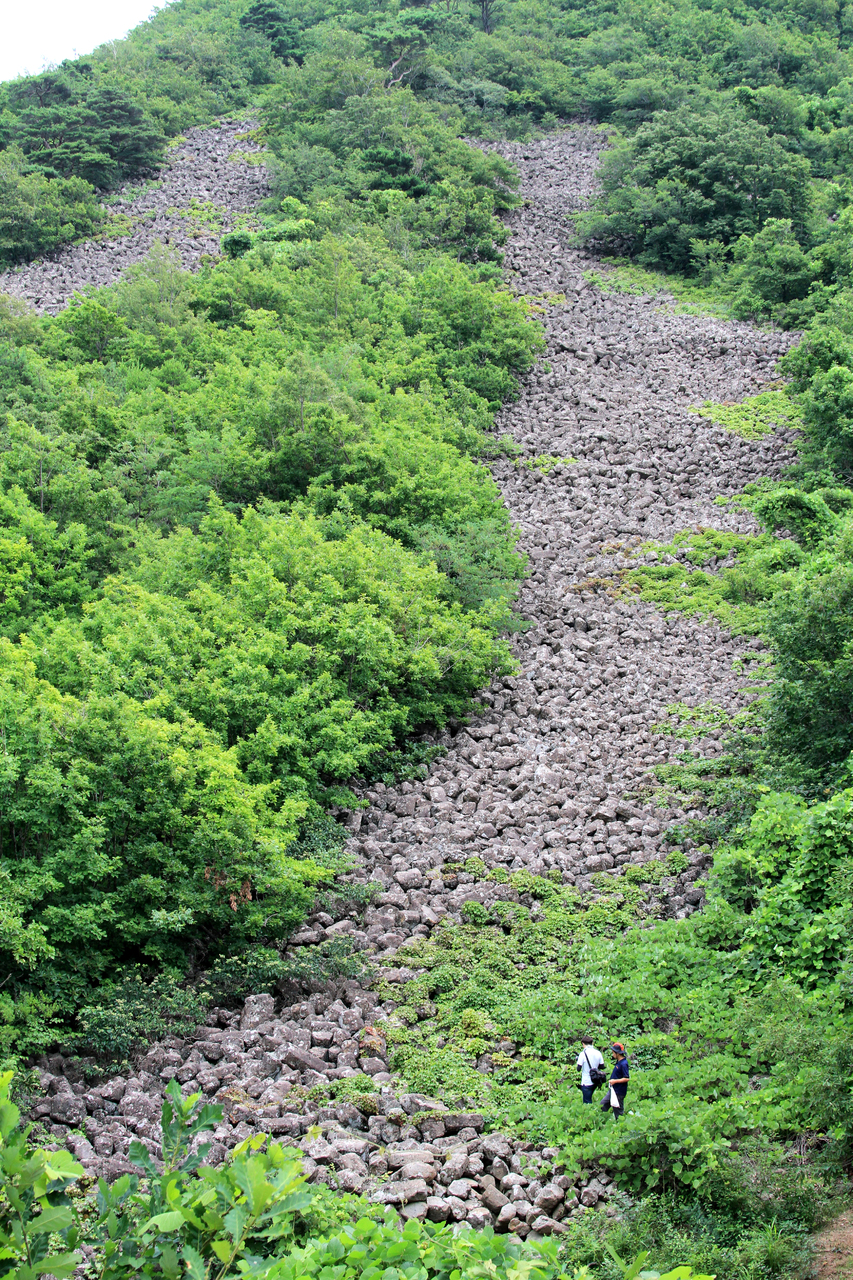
[(546, 462), (617, 275), (693, 582), (754, 417), (688, 584)]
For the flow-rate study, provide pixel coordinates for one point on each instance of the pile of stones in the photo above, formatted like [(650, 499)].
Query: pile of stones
[(219, 166), (400, 1149), (555, 776)]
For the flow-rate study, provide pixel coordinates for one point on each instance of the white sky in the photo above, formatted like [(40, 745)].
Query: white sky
[(36, 33)]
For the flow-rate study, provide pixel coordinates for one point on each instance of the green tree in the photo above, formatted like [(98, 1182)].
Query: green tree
[(68, 126), (94, 328), (282, 31), (770, 271), (38, 213), (812, 633), (689, 176)]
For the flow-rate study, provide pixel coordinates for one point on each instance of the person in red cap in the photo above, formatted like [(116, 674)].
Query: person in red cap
[(618, 1080)]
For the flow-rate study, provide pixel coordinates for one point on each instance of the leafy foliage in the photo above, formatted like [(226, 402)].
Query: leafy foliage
[(794, 590), (248, 549), (687, 176), (810, 629), (185, 1217), (38, 213), (36, 1210), (69, 126), (714, 1003), (754, 417)]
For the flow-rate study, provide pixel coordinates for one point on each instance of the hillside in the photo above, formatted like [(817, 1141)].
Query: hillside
[(425, 643)]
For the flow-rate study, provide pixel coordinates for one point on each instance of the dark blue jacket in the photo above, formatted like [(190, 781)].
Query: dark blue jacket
[(620, 1070)]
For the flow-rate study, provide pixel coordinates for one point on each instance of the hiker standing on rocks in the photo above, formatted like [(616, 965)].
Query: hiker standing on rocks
[(590, 1065), (615, 1100)]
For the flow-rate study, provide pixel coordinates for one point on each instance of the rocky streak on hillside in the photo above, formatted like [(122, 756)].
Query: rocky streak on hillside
[(543, 779), (216, 168)]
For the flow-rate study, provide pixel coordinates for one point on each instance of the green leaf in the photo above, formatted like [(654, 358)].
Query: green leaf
[(222, 1248), (59, 1265), (193, 1263), (53, 1218), (167, 1222)]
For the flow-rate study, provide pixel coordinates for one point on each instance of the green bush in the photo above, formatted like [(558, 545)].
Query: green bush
[(810, 628), (770, 271), (71, 127), (262, 480), (689, 176), (797, 593), (131, 1011), (38, 213), (298, 662)]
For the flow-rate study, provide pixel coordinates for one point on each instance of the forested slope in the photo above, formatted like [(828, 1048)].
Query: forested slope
[(259, 553)]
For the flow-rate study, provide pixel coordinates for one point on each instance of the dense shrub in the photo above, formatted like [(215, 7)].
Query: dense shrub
[(167, 745), (688, 176), (244, 529), (68, 126), (797, 592), (812, 633), (38, 213), (273, 460)]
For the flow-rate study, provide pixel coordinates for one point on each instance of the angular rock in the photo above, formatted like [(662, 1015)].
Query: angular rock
[(545, 1226), (496, 1146), (438, 1209), (549, 1197), (456, 1120), (418, 1169), (320, 1151), (139, 1106), (456, 1166), (432, 1129), (416, 1210), (398, 1158), (398, 1193), (350, 1180), (70, 1111), (302, 1060), (256, 1010), (494, 1200), (287, 1126), (461, 1188), (458, 1208)]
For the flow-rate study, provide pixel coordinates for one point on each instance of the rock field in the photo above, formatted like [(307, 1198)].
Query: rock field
[(217, 167), (549, 776)]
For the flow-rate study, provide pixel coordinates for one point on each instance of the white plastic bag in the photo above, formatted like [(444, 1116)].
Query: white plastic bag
[(615, 1104)]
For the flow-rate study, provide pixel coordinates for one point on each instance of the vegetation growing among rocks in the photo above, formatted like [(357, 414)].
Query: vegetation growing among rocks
[(285, 489)]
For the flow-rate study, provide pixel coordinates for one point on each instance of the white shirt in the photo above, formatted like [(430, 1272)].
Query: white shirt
[(589, 1058)]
